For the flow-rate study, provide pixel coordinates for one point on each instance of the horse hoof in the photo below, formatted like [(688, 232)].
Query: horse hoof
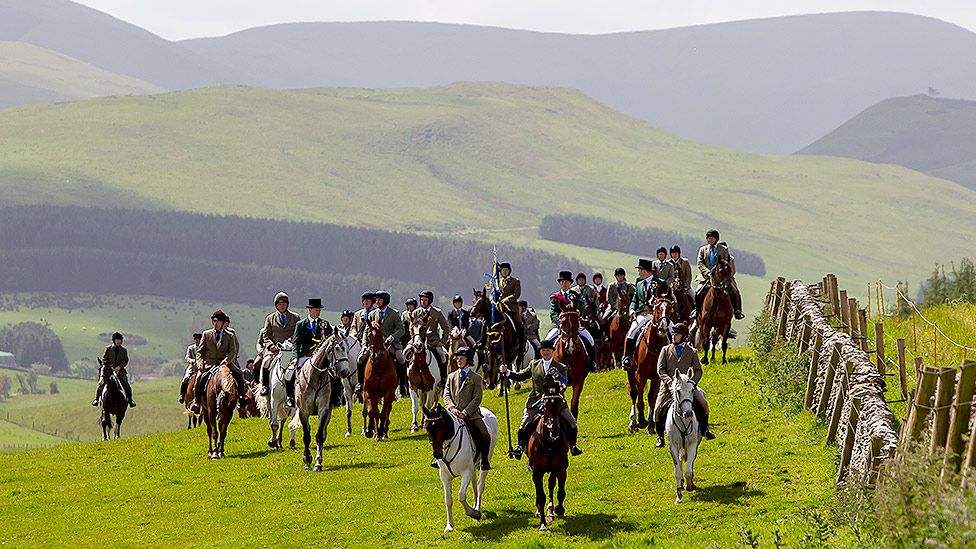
[(292, 445), (271, 444), (543, 528), (642, 424), (632, 428), (348, 434), (691, 486), (677, 500), (560, 510), (448, 529), (318, 468), (473, 513), (414, 428)]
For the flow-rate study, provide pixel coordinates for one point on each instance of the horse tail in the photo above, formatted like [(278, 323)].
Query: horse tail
[(296, 422), (264, 405)]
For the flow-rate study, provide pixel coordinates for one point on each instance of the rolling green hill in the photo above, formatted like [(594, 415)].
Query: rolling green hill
[(32, 74), (760, 474), (487, 160), (929, 134)]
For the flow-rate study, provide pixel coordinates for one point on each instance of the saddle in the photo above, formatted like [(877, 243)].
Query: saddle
[(112, 383)]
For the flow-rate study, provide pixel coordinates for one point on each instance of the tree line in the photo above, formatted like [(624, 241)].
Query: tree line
[(244, 260), (33, 343), (594, 232), (958, 285)]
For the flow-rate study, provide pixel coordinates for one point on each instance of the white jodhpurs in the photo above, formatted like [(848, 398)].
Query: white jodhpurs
[(583, 332), (638, 324)]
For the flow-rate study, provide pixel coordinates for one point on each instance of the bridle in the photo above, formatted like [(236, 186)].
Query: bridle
[(449, 443), (683, 427)]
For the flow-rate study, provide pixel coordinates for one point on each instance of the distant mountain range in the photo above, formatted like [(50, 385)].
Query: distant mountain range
[(771, 85), (929, 134)]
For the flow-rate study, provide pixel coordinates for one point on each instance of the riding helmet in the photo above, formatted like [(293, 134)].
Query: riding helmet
[(411, 301), (712, 232), (581, 275), (384, 295), (505, 265), (523, 303), (662, 250), (619, 271), (680, 328), (457, 299), (428, 294), (466, 352), (279, 297), (546, 344), (220, 315), (597, 275), (117, 335), (197, 336), (346, 313), (368, 295), (676, 248)]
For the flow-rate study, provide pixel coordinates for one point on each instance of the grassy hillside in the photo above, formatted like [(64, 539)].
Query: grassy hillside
[(487, 160), (928, 134), (31, 74), (758, 475)]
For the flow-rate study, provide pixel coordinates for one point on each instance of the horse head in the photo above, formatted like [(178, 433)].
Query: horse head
[(418, 330), (623, 299), (340, 355), (439, 427), (720, 273), (683, 394), (377, 345), (550, 426), (662, 315), (105, 370)]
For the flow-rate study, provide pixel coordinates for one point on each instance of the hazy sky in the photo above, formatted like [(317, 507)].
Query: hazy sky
[(177, 19)]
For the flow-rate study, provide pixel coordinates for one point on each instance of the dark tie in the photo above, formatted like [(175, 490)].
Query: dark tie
[(314, 324), (463, 375), (217, 334)]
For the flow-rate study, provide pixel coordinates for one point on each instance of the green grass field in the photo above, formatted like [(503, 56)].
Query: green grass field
[(482, 159), (763, 469)]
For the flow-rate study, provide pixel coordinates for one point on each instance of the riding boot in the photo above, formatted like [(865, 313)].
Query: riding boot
[(484, 450), (590, 357), (402, 379), (737, 302), (199, 390), (659, 427), (703, 424), (98, 394), (629, 350), (238, 376), (290, 393), (571, 434), (361, 375), (183, 385), (265, 380)]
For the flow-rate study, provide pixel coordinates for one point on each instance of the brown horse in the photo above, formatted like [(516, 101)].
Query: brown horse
[(684, 304), (602, 355), (502, 344), (192, 420), (548, 452), (379, 385), (654, 338), (570, 351), (217, 408), (423, 375), (112, 402), (715, 318), (620, 325)]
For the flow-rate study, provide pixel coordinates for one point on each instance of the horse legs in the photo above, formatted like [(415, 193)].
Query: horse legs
[(705, 338), (385, 417), (652, 392), (561, 493), (466, 478), (632, 391), (448, 499), (725, 347), (479, 490), (374, 415), (118, 426), (692, 452), (540, 499), (552, 489), (714, 344), (365, 421), (641, 419), (291, 443), (347, 389), (210, 437), (222, 424), (414, 408), (325, 415), (307, 439), (273, 421), (678, 477), (574, 404)]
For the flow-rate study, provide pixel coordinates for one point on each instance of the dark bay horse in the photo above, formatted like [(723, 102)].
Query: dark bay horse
[(620, 325), (570, 351), (192, 420), (644, 373), (112, 402), (602, 355), (217, 408), (715, 318), (548, 453), (502, 344), (685, 302), (379, 385)]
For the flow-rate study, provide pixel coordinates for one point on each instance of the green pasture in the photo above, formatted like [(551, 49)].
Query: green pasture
[(758, 476)]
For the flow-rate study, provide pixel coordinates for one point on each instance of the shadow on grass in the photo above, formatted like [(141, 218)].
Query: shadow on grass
[(595, 526), (360, 465), (494, 527), (252, 455), (732, 493)]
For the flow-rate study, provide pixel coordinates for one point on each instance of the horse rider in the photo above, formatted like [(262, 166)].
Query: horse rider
[(360, 326), (309, 333), (191, 363), (508, 298), (345, 323), (601, 293), (566, 296), (278, 328), (641, 307), (680, 357), (460, 318), (544, 372), (531, 322), (405, 316), (583, 289), (438, 331), (217, 346), (462, 398), (391, 325), (709, 255), (613, 292), (117, 357), (665, 272), (682, 268)]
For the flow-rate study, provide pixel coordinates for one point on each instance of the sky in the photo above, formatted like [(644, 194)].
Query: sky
[(179, 19)]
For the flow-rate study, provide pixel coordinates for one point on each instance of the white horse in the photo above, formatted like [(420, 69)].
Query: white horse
[(454, 450), (313, 396), (349, 347), (423, 389), (273, 406), (681, 427)]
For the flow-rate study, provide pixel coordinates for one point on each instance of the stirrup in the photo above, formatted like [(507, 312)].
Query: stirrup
[(263, 391), (575, 450), (517, 451)]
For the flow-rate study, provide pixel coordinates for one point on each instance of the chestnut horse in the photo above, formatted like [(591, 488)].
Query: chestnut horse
[(217, 408), (548, 452), (620, 325), (654, 338), (379, 385), (570, 351), (715, 318), (112, 402)]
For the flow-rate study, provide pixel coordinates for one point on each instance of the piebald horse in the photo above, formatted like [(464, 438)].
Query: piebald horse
[(112, 402), (453, 447)]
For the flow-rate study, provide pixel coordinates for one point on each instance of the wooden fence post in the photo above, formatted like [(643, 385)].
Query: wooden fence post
[(812, 374), (918, 370), (961, 410), (834, 295), (862, 328), (921, 407), (829, 380), (902, 373), (845, 315), (843, 390), (849, 436), (784, 311), (970, 462), (805, 333), (874, 462), (943, 402), (852, 311), (879, 346)]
